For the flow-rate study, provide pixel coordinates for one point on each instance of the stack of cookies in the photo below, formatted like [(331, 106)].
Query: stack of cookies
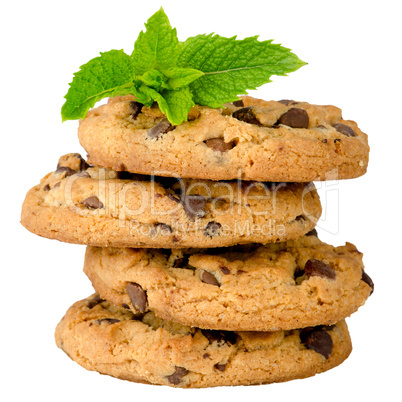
[(201, 243)]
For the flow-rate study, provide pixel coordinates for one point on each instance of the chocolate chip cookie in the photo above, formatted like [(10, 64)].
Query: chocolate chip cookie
[(279, 286), (251, 139), (144, 348), (83, 204)]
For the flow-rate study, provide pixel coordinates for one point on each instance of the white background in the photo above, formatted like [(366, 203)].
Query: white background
[(353, 51)]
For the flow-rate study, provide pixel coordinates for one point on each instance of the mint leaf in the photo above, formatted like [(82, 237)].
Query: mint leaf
[(176, 104), (158, 47), (111, 74), (231, 66), (180, 77), (179, 103), (154, 79)]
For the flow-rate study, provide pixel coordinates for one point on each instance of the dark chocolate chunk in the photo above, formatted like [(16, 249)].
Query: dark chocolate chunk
[(163, 227), (108, 321), (135, 109), (344, 129), (287, 102), (220, 367), (94, 301), (225, 270), (194, 205), (65, 169), (238, 103), (180, 262), (221, 337), (312, 233), (83, 174), (163, 127), (319, 268), (209, 279), (137, 296), (296, 118), (46, 187), (218, 144), (92, 202), (177, 376), (212, 229), (318, 340), (368, 280), (247, 115)]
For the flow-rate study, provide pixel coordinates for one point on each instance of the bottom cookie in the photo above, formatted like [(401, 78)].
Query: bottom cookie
[(144, 348)]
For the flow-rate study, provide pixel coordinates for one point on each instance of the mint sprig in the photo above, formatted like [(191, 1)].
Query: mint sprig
[(209, 70), (231, 66)]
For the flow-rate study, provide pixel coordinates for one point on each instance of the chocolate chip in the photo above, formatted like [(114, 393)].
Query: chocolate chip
[(220, 367), (368, 280), (287, 102), (108, 321), (318, 340), (221, 337), (180, 262), (206, 355), (319, 268), (177, 376), (83, 174), (46, 188), (324, 141), (94, 301), (212, 229), (65, 169), (163, 227), (337, 140), (137, 296), (135, 109), (161, 128), (209, 279), (92, 202), (247, 115), (312, 233), (194, 205), (218, 144), (238, 103), (344, 129), (225, 270), (296, 118)]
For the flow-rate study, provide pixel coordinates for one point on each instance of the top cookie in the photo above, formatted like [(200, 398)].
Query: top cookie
[(251, 139)]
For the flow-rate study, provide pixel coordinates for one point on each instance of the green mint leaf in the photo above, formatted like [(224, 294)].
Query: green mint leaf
[(231, 66), (153, 79), (180, 77), (176, 104), (110, 74), (157, 47)]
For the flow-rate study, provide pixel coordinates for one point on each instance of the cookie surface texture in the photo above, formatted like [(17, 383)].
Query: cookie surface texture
[(279, 286), (259, 140), (111, 340)]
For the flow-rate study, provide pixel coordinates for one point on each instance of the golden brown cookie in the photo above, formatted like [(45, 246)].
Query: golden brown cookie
[(89, 205), (251, 139), (111, 340), (279, 286)]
